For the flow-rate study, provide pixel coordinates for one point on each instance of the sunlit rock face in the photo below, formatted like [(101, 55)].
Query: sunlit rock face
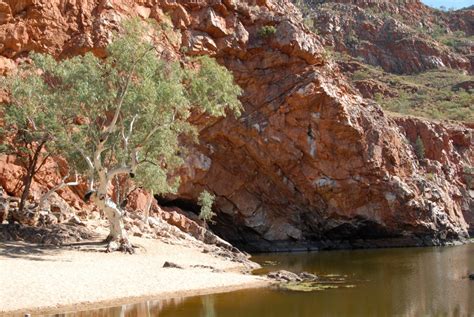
[(395, 35), (310, 163)]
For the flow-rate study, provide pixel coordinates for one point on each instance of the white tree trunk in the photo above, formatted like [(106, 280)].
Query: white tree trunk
[(148, 207), (118, 235), (114, 216)]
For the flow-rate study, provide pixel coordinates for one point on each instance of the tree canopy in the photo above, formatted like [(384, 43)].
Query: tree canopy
[(75, 100), (123, 114)]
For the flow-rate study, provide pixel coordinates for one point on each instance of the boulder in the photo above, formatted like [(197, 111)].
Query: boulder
[(284, 276), (172, 265)]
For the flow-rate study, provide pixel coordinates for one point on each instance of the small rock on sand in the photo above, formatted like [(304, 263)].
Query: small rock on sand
[(172, 265)]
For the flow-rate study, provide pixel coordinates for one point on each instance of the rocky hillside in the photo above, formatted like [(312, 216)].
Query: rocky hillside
[(400, 36), (310, 163), (409, 57)]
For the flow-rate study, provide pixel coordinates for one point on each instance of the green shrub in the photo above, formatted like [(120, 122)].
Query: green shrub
[(206, 200), (469, 176), (308, 21), (361, 74), (428, 94), (419, 148), (352, 38), (431, 176), (267, 31)]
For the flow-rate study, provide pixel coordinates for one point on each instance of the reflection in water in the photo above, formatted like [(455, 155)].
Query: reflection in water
[(403, 282), (208, 309), (146, 309)]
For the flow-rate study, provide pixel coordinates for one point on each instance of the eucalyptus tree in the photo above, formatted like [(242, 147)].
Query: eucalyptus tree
[(124, 115), (26, 132)]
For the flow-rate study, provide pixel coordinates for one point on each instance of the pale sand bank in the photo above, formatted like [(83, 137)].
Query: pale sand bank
[(44, 280)]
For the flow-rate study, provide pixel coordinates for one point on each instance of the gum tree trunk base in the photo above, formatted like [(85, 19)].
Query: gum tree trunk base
[(118, 235), (117, 239), (121, 246), (108, 239)]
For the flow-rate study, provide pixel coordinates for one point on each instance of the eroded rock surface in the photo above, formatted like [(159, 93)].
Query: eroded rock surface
[(311, 161), (401, 37), (309, 164)]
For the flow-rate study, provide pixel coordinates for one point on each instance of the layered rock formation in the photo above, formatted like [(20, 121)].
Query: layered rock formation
[(400, 36), (310, 160), (310, 163)]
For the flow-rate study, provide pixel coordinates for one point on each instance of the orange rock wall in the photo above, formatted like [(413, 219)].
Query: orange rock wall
[(394, 35), (310, 163)]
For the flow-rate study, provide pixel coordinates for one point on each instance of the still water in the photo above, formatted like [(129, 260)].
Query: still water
[(384, 282)]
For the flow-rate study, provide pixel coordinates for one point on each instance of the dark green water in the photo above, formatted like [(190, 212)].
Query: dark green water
[(388, 282)]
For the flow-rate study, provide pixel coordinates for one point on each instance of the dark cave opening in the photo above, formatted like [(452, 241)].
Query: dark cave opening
[(187, 205)]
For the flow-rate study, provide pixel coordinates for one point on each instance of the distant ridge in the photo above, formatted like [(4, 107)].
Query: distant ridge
[(377, 41)]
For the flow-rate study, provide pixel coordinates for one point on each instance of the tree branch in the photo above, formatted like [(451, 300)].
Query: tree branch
[(148, 206), (153, 131), (89, 164), (57, 187), (124, 91), (117, 171), (105, 176), (126, 138), (98, 151), (125, 169), (42, 163), (98, 162), (32, 123)]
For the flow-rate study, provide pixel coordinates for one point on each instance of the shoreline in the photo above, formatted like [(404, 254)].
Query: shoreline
[(49, 280), (344, 245), (87, 305), (38, 279)]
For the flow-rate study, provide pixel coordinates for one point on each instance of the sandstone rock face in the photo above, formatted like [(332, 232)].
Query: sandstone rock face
[(393, 35), (310, 163), (11, 172), (449, 151), (370, 88)]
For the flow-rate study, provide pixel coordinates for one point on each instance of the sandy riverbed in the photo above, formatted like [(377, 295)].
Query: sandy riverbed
[(47, 280)]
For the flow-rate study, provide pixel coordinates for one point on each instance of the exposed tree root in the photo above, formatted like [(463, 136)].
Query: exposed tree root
[(108, 239), (121, 246)]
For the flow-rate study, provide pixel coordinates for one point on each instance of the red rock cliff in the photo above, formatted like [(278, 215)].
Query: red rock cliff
[(400, 36), (309, 163)]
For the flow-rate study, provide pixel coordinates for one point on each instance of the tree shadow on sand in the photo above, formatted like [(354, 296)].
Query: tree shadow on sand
[(39, 252), (40, 244)]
